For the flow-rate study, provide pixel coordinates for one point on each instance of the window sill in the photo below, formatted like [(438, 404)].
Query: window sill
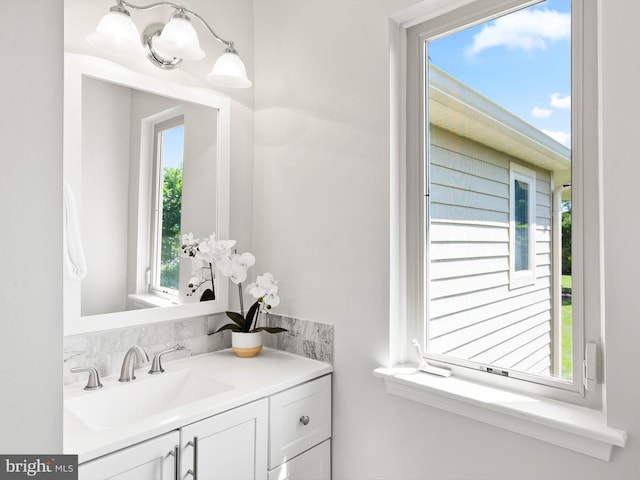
[(148, 300), (576, 428)]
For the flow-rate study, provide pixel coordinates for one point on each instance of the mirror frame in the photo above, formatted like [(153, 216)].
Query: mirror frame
[(76, 67)]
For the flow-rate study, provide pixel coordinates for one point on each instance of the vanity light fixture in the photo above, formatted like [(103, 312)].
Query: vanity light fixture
[(166, 45)]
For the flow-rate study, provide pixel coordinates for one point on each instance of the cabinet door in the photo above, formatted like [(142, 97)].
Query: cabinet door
[(152, 460), (300, 419), (228, 446), (314, 464)]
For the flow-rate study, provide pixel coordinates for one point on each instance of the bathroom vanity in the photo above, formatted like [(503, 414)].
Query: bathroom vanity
[(207, 417)]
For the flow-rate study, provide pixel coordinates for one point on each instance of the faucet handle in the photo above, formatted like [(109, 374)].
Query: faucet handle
[(94, 378), (156, 364)]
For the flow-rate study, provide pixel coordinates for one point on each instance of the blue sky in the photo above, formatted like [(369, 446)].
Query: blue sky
[(173, 147), (521, 61)]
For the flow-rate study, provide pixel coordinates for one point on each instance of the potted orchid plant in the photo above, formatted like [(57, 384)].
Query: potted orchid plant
[(246, 335)]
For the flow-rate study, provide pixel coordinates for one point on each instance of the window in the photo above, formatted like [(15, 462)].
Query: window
[(167, 206), (522, 226), (495, 177)]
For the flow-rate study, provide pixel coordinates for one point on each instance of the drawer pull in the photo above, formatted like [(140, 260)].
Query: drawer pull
[(176, 465), (304, 420), (194, 472)]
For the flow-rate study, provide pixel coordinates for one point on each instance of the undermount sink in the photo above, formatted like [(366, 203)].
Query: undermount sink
[(125, 403)]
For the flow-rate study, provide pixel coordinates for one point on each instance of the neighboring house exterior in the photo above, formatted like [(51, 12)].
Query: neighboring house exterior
[(494, 184)]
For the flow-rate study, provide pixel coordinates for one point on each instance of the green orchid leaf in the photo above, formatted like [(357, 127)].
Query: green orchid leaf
[(251, 314), (271, 329), (229, 326), (237, 318), (207, 295)]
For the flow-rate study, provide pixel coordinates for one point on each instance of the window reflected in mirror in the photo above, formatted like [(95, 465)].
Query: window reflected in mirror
[(168, 156), (148, 176)]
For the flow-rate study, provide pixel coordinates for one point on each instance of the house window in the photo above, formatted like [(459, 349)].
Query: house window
[(167, 207), (522, 226), (494, 170)]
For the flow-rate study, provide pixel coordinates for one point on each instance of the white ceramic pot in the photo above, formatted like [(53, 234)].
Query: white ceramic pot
[(246, 344)]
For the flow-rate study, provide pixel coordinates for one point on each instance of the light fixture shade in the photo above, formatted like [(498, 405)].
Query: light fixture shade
[(229, 71), (179, 39), (117, 34)]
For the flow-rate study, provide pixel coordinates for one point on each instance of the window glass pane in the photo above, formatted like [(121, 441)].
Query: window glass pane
[(499, 95), (171, 157), (521, 219)]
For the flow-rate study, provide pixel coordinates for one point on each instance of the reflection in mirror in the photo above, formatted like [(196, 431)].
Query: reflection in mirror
[(147, 161), (138, 195)]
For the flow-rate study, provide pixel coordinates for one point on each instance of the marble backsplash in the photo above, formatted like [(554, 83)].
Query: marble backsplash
[(305, 338), (105, 350)]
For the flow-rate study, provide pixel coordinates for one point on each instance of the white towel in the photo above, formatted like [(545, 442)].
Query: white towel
[(75, 264)]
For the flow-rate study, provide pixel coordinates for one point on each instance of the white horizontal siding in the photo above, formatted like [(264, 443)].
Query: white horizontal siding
[(495, 341), (466, 267), (464, 214), (474, 314), (456, 232), (489, 304), (458, 286), (452, 251), (450, 176), (462, 197), (492, 329)]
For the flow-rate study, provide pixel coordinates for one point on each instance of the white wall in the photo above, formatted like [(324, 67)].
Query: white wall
[(104, 210), (31, 239), (321, 225)]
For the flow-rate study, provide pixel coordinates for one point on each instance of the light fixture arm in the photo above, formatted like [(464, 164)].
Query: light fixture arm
[(179, 8)]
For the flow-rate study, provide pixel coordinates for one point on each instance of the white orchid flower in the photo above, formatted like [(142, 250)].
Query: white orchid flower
[(219, 247), (225, 265), (189, 245), (238, 276), (271, 300), (235, 266), (222, 250), (187, 239), (244, 260), (264, 284)]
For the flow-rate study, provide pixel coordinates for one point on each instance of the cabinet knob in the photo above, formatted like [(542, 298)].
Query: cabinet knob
[(304, 420)]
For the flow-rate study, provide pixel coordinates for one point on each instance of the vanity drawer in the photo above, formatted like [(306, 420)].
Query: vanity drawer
[(300, 418), (314, 464)]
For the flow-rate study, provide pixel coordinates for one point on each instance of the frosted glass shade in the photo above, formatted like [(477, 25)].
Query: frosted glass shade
[(179, 39), (229, 71), (117, 34)]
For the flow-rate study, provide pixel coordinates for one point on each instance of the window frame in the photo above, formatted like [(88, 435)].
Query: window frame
[(409, 300), (155, 232), (526, 277)]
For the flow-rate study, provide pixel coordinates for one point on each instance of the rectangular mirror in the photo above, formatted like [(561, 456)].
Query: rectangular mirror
[(147, 161)]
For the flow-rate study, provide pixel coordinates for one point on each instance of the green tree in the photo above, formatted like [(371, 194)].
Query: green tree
[(171, 220), (566, 238)]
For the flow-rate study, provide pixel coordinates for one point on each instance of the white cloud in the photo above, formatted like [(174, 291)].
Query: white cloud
[(560, 102), (561, 137), (524, 29), (538, 112)]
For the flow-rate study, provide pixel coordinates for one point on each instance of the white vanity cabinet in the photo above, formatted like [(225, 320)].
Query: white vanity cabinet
[(273, 424), (228, 446), (299, 437), (153, 459)]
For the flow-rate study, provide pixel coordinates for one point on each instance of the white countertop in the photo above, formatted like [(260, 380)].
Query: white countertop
[(252, 378)]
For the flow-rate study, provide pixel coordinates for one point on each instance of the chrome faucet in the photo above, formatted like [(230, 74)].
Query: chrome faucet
[(93, 382), (133, 355), (156, 364)]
